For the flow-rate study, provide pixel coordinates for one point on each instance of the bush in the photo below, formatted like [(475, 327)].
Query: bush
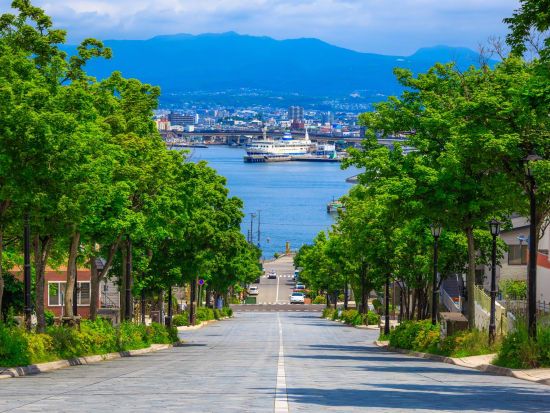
[(415, 335), (373, 318), (50, 318), (340, 298), (205, 314), (466, 344), (513, 289), (327, 312), (334, 315), (180, 320), (320, 300), (519, 351), (227, 311), (19, 348)]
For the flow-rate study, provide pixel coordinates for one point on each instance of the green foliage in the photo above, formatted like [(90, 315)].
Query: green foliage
[(50, 318), (353, 317), (227, 312), (334, 315), (320, 299), (519, 351), (180, 320), (415, 335), (19, 348), (205, 314), (513, 289), (217, 314), (327, 312), (467, 343)]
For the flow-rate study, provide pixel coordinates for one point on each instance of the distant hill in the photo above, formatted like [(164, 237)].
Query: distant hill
[(185, 63)]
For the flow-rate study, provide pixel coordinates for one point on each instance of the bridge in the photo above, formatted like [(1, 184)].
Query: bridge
[(243, 136)]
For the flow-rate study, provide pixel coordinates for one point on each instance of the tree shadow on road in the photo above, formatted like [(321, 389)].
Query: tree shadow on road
[(425, 397)]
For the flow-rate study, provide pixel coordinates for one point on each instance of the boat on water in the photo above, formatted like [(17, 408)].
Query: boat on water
[(287, 146), (334, 206)]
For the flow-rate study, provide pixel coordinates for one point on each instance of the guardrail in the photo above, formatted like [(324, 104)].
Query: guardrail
[(451, 305)]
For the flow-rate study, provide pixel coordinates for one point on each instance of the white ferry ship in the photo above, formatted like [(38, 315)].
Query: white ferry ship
[(280, 147)]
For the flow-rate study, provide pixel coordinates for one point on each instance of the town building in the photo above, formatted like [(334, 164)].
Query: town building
[(296, 113)]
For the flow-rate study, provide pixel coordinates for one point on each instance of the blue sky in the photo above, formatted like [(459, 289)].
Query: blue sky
[(396, 27)]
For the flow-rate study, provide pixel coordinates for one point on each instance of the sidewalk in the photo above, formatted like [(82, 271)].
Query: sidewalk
[(481, 363)]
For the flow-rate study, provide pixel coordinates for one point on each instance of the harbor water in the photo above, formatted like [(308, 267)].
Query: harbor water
[(291, 196)]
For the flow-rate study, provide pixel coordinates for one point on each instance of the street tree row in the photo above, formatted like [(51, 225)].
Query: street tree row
[(82, 159)]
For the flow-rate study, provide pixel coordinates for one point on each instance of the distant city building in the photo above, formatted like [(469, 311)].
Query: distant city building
[(296, 124), (163, 123), (181, 119), (295, 113), (328, 118)]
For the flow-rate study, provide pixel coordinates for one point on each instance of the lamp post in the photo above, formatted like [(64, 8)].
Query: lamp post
[(494, 226), (346, 292), (436, 233), (364, 310), (532, 266)]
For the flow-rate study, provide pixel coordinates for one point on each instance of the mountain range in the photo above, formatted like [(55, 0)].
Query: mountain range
[(210, 63)]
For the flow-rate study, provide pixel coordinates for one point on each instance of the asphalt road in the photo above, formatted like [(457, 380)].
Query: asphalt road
[(272, 362), (277, 291)]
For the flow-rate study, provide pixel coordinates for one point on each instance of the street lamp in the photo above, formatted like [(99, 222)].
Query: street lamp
[(363, 293), (387, 318), (532, 267), (436, 233), (494, 226)]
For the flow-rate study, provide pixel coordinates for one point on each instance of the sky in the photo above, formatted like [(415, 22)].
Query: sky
[(395, 27)]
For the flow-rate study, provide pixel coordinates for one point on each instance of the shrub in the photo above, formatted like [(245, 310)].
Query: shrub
[(373, 318), (327, 312), (415, 335), (519, 351), (50, 318), (180, 320), (341, 297), (467, 343), (14, 347), (133, 336), (217, 314), (334, 315), (159, 334), (227, 312), (513, 289), (205, 314), (320, 300)]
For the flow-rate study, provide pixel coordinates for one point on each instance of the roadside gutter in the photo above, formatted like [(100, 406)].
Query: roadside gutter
[(481, 363)]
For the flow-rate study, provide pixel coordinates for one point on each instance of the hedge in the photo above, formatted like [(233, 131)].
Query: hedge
[(20, 348)]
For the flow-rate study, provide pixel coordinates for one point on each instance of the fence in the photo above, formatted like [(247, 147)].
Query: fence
[(483, 301), (519, 308)]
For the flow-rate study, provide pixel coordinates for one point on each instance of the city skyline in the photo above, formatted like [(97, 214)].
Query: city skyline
[(364, 26)]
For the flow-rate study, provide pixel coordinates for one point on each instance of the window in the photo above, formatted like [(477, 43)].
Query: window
[(517, 255), (56, 293)]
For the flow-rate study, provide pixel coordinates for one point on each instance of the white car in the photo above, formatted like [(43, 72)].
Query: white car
[(297, 298), (253, 291)]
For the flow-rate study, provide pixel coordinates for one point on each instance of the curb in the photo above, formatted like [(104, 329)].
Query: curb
[(361, 327), (486, 368), (201, 325), (11, 372)]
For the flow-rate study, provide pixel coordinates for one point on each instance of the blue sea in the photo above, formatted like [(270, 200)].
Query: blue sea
[(289, 197)]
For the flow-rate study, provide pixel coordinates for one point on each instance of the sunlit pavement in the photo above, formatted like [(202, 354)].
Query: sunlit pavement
[(232, 366)]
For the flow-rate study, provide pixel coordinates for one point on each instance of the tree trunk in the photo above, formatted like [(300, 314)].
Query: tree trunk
[(41, 248), (123, 250), (71, 272), (3, 209), (471, 277), (94, 288), (1, 277)]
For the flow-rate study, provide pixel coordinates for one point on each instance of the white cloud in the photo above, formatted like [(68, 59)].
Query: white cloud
[(383, 26)]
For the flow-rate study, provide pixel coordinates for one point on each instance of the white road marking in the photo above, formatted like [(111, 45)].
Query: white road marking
[(281, 397), (277, 297)]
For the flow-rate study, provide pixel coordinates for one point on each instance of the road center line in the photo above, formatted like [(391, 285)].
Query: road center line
[(281, 396), (277, 296)]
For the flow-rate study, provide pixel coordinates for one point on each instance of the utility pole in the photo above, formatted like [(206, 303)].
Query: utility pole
[(259, 220), (252, 215)]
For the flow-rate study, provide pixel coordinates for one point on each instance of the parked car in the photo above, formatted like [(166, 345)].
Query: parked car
[(297, 298), (253, 290), (300, 286), (272, 274)]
